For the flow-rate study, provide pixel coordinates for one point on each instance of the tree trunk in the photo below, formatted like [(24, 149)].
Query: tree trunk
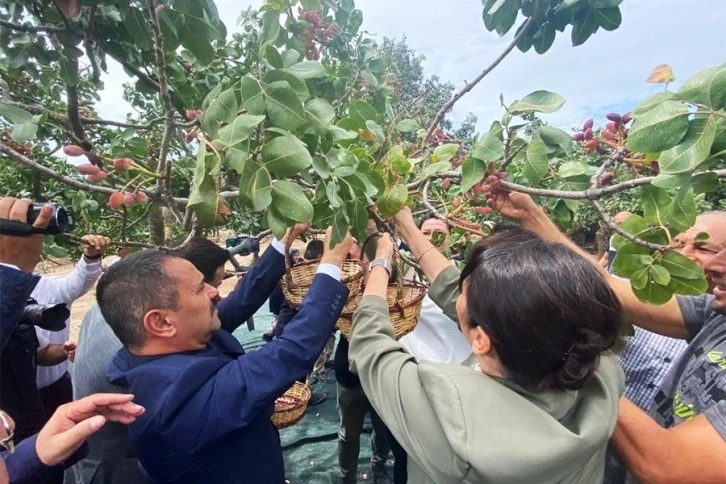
[(603, 240), (156, 226)]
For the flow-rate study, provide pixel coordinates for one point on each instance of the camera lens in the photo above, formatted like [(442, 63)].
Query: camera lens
[(60, 221)]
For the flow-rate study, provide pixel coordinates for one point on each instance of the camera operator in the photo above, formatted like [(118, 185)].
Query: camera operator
[(53, 380), (19, 255)]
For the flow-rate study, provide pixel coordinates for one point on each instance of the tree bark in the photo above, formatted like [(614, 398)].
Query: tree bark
[(156, 226)]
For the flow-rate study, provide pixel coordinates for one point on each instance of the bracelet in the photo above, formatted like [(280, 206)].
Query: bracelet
[(93, 258), (425, 252)]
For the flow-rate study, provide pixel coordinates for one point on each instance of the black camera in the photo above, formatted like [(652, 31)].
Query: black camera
[(51, 317), (60, 222)]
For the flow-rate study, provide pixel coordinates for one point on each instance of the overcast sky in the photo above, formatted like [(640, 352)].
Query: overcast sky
[(605, 74)]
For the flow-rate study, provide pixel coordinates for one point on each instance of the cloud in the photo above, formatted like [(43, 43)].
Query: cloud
[(605, 74)]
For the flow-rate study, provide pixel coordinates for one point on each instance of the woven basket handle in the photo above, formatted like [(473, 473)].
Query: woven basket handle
[(399, 273)]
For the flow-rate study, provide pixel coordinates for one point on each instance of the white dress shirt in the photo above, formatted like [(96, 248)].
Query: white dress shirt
[(56, 290), (436, 337)]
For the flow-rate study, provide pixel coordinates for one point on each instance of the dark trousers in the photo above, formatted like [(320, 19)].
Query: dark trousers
[(400, 461), (53, 396), (353, 406)]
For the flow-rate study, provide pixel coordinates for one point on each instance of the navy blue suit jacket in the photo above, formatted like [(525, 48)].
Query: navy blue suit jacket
[(15, 289), (208, 412)]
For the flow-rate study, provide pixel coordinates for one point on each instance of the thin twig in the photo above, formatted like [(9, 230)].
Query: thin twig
[(595, 183), (75, 238), (452, 223), (23, 160), (31, 29), (470, 85), (88, 44)]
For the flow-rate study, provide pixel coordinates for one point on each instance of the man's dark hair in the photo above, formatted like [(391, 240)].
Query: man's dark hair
[(314, 249), (548, 312), (205, 255), (132, 287)]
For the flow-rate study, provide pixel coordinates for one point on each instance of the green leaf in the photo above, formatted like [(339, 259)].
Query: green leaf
[(286, 156), (283, 106), (358, 217), (604, 3), (376, 130), (204, 195), (538, 101), (705, 182), (654, 294), (536, 165), (199, 45), (682, 211), (445, 152), (688, 287), (573, 168), (277, 223), (681, 266), (307, 70), (398, 163), (609, 18), (639, 279), (24, 124), (238, 155), (261, 190), (655, 204), (135, 25), (697, 88), (692, 150), (310, 4), (544, 38), (638, 227), (561, 213), (555, 137), (488, 148), (717, 89), (472, 172), (392, 201), (270, 27), (407, 125), (252, 96), (297, 84), (360, 112), (340, 227), (584, 24), (320, 113), (660, 128), (435, 168), (288, 198), (223, 109), (664, 180), (340, 134), (660, 275), (653, 102), (629, 260), (237, 131), (269, 53)]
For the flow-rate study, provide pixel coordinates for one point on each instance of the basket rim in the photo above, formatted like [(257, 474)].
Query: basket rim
[(345, 280), (422, 294)]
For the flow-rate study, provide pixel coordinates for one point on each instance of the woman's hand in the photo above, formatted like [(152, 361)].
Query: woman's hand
[(336, 255), (404, 220), (515, 205)]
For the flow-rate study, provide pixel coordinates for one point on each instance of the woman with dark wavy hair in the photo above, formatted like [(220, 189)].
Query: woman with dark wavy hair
[(538, 399)]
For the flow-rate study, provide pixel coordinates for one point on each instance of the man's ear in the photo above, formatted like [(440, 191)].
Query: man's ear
[(160, 324), (480, 342)]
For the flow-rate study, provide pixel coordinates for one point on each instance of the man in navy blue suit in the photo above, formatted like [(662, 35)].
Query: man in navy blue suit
[(208, 403)]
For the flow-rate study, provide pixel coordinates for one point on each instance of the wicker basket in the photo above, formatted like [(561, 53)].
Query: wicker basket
[(290, 407), (299, 278), (404, 308)]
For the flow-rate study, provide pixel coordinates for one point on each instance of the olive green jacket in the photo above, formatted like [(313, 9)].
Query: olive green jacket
[(459, 425)]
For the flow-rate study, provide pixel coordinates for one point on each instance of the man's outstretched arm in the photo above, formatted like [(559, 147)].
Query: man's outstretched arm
[(666, 319), (692, 452)]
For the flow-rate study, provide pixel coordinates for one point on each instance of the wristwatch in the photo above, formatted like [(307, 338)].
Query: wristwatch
[(381, 262)]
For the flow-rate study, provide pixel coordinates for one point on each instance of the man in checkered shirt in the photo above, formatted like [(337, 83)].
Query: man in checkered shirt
[(649, 356)]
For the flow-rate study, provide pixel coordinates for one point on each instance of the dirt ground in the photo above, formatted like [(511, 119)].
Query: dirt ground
[(61, 267)]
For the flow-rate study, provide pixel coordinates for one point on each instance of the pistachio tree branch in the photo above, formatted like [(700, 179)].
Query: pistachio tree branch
[(452, 223), (27, 162), (470, 85), (616, 157), (33, 29), (163, 186)]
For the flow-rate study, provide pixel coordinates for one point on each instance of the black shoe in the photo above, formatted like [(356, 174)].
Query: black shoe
[(317, 398)]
